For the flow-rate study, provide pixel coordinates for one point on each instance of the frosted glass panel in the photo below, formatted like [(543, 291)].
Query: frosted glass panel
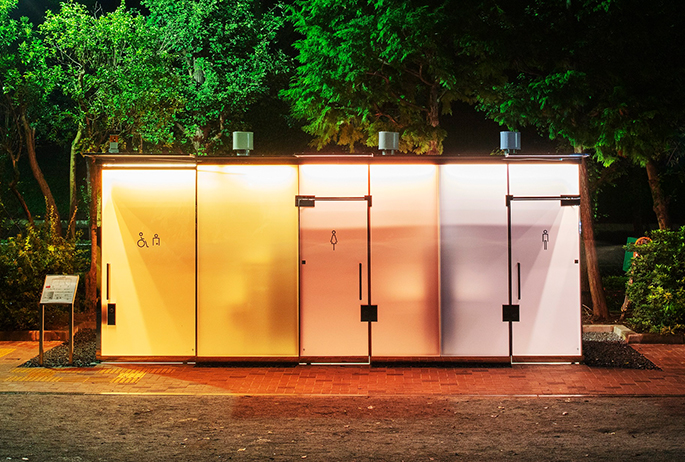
[(545, 243), (148, 238), (473, 239), (247, 261), (333, 246), (404, 224), (333, 243), (528, 179), (334, 180)]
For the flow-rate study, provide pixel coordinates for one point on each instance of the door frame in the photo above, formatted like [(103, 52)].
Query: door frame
[(368, 311), (510, 311)]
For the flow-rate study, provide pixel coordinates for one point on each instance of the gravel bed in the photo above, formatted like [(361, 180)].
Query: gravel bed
[(601, 349), (606, 349), (84, 352)]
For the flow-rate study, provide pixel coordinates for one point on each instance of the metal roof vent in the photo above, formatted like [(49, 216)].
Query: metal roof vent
[(388, 142), (510, 142), (243, 143)]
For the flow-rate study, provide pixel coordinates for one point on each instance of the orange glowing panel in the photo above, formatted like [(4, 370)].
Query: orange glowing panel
[(405, 247), (148, 241), (474, 277), (247, 261)]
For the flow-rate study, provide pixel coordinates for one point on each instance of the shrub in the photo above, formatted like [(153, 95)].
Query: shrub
[(657, 290), (25, 260)]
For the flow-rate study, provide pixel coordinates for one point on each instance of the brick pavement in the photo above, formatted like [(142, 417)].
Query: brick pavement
[(517, 380)]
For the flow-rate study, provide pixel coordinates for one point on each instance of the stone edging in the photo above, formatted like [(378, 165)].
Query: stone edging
[(631, 337)]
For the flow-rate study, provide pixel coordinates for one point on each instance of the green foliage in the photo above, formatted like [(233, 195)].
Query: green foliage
[(224, 56), (372, 65), (657, 290), (25, 260), (115, 75), (599, 74)]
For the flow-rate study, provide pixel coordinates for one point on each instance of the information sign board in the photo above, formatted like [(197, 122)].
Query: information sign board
[(59, 290)]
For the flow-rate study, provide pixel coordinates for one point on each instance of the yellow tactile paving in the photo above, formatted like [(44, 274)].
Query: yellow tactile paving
[(32, 375), (128, 377)]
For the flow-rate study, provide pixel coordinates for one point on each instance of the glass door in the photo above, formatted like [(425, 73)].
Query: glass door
[(334, 246), (545, 276)]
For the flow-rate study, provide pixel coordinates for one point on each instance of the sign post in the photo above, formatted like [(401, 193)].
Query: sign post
[(58, 290)]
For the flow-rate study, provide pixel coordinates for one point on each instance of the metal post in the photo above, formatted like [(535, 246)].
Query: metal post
[(40, 332), (71, 337)]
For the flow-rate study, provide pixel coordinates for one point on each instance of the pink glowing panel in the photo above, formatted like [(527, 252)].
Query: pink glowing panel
[(473, 238), (247, 261), (148, 241), (545, 258), (334, 273), (333, 245), (404, 224)]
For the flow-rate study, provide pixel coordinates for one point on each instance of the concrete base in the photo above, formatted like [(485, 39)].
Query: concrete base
[(631, 337)]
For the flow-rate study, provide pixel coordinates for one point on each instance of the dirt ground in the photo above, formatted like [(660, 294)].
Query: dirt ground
[(38, 427)]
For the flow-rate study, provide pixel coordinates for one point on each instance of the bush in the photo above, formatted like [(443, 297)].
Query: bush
[(657, 290), (25, 260)]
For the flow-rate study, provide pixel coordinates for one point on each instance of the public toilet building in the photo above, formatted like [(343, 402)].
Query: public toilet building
[(340, 259)]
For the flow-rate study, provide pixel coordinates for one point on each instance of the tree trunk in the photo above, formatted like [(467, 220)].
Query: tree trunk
[(30, 139), (73, 190), (92, 277), (434, 118), (600, 310), (17, 194), (660, 207)]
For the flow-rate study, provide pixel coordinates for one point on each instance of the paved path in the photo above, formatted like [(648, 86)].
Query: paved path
[(186, 379)]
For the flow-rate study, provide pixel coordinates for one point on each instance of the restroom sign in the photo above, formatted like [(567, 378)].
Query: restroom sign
[(59, 290)]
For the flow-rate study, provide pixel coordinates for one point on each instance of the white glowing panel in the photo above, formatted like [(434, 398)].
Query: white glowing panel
[(473, 239), (247, 261), (545, 262), (404, 229), (333, 266), (148, 239)]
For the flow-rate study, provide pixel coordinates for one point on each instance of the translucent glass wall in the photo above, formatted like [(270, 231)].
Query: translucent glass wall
[(545, 258), (473, 239), (333, 254), (247, 261), (404, 225), (148, 241)]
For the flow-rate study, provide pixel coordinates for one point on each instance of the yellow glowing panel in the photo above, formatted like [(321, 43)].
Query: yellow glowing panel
[(405, 247), (148, 239), (247, 261)]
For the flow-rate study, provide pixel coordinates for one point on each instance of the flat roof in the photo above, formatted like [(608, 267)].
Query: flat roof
[(133, 159)]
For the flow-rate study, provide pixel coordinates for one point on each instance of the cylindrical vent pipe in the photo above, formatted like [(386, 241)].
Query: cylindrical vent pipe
[(243, 143), (388, 142), (510, 142)]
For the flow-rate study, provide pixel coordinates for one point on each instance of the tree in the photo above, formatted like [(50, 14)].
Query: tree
[(26, 84), (367, 66), (224, 55), (117, 80), (602, 74), (585, 73)]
